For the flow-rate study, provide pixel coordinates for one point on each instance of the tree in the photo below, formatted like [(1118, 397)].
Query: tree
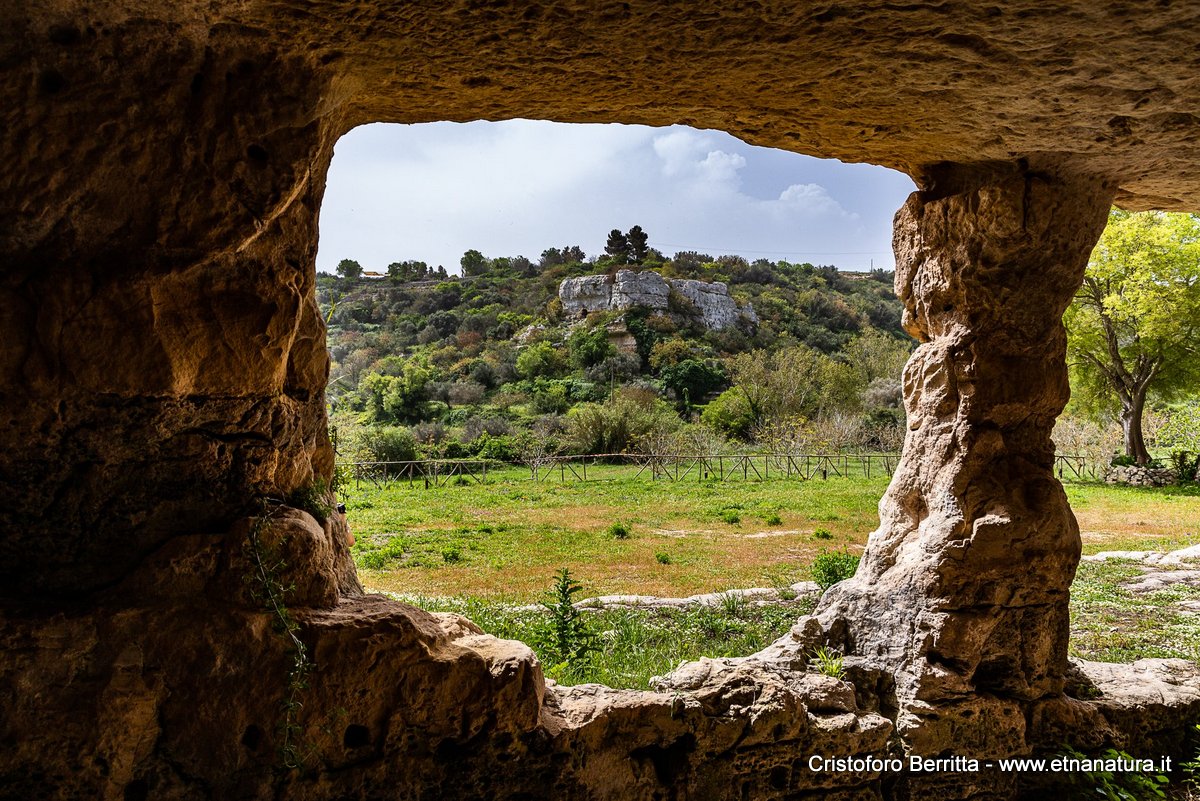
[(473, 263), (637, 243), (617, 247), (1132, 328), (349, 268)]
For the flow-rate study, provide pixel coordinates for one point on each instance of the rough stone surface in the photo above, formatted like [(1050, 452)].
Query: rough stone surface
[(161, 170), (945, 595), (711, 302)]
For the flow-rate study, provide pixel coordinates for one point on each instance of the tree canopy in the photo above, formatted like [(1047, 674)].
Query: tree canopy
[(1133, 325)]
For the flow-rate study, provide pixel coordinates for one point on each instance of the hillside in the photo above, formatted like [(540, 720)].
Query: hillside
[(491, 363)]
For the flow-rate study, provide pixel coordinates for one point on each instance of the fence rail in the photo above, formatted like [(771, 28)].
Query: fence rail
[(429, 473)]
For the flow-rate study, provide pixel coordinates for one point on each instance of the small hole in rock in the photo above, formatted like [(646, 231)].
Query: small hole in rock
[(949, 307), (356, 736), (257, 154), (137, 790), (51, 82), (252, 737), (65, 34)]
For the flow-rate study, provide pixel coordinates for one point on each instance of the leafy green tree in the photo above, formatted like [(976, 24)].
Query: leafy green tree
[(1133, 326), (636, 240), (396, 398), (692, 379), (349, 268), (473, 263), (617, 247), (541, 359)]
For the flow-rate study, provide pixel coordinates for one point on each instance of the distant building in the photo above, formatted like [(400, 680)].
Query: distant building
[(373, 274)]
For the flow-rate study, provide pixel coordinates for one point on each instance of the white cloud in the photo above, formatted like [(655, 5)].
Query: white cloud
[(432, 191)]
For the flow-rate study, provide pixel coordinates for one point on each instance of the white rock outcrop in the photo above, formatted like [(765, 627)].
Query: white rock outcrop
[(629, 289)]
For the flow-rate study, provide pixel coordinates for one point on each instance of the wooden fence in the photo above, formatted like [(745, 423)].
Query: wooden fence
[(427, 473)]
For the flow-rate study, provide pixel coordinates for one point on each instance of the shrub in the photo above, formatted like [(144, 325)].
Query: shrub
[(389, 444), (663, 558), (619, 530), (541, 359), (822, 534), (773, 519), (452, 555), (1186, 465), (830, 567), (616, 426), (730, 414), (314, 498), (730, 516)]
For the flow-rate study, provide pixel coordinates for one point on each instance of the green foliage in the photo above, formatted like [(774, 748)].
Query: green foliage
[(1185, 464), (572, 641), (473, 263), (389, 444), (662, 557), (617, 247), (620, 425), (314, 498), (541, 359), (1110, 785), (452, 555), (822, 534), (636, 241), (588, 347), (730, 413), (829, 662), (830, 567), (1131, 326), (730, 516), (692, 379), (619, 530), (773, 519), (1191, 767), (349, 268), (396, 398), (267, 588)]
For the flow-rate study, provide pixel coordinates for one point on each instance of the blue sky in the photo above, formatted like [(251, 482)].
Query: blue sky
[(431, 191)]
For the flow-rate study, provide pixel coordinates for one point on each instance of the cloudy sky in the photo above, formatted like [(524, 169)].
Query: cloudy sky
[(430, 192)]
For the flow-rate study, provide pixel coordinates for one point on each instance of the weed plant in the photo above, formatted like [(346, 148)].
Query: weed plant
[(830, 567)]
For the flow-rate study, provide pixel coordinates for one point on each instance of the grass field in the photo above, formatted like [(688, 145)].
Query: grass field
[(480, 549)]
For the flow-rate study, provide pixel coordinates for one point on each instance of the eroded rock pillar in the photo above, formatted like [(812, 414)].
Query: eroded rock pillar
[(962, 594)]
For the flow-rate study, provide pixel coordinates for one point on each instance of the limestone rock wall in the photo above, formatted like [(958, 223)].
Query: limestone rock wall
[(963, 589), (648, 290)]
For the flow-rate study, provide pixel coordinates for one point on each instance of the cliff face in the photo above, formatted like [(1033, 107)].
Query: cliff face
[(649, 290)]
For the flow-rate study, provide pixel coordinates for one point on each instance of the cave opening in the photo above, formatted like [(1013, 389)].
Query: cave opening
[(473, 473)]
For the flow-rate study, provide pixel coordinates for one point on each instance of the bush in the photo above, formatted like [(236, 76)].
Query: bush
[(620, 531), (729, 516), (773, 519), (822, 534), (730, 414), (541, 359), (830, 567), (452, 555), (663, 558), (618, 426), (389, 444)]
